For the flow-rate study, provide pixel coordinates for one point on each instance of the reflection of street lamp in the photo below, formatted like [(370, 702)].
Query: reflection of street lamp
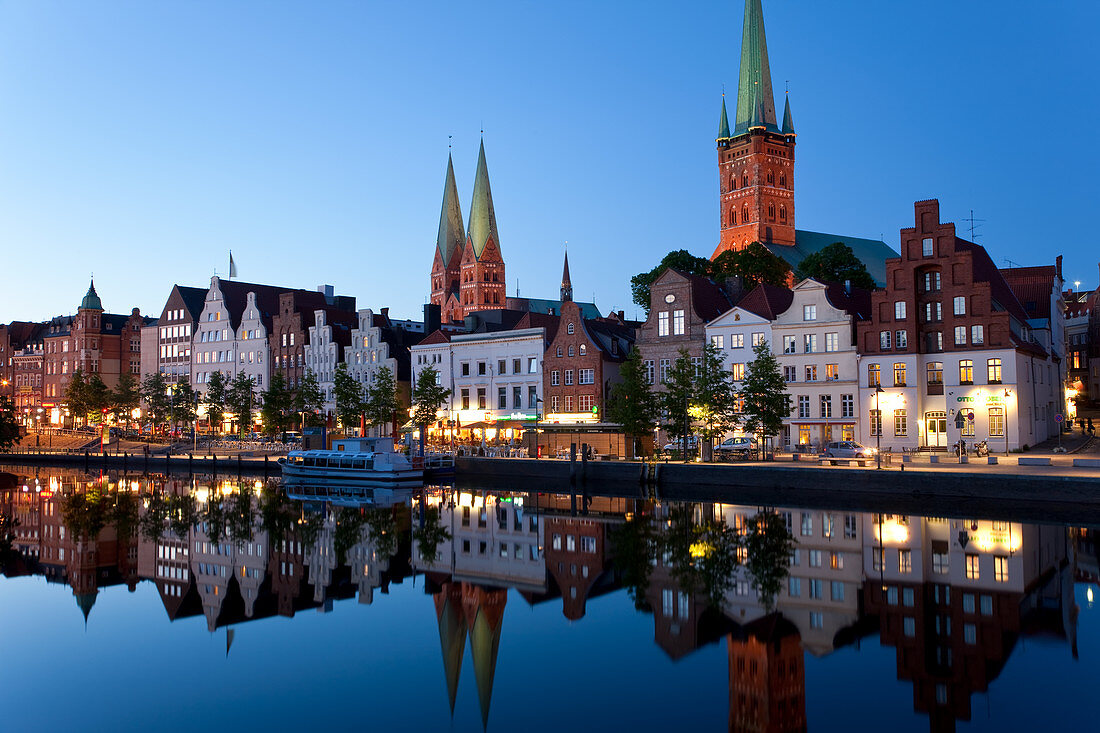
[(878, 433)]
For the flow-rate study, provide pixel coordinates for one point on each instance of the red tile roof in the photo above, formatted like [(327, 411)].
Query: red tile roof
[(1033, 287), (767, 301), (985, 271)]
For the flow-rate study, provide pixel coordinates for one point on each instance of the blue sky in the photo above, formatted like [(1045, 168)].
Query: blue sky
[(141, 141)]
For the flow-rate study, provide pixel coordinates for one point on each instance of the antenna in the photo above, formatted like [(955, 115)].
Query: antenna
[(1010, 263), (974, 225)]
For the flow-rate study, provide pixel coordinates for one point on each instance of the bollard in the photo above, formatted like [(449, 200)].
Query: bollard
[(214, 464), (86, 467), (190, 464), (584, 462), (125, 460), (265, 468), (238, 465), (167, 462), (572, 464)]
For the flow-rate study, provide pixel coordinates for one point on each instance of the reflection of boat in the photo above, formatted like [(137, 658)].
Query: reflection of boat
[(367, 460), (350, 493)]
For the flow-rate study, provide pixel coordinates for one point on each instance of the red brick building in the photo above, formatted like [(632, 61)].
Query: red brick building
[(467, 273), (577, 557), (582, 361)]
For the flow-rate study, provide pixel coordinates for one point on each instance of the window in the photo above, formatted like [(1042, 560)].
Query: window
[(935, 372), (559, 352), (815, 588), (909, 626), (960, 335), (803, 406), (555, 377), (977, 335), (960, 305), (847, 405), (884, 341), (901, 427), (908, 597), (790, 374), (832, 342), (993, 370), (899, 310), (532, 397), (482, 368), (532, 365), (933, 312), (586, 376), (568, 377), (502, 366), (836, 590), (718, 341), (588, 544), (811, 373), (987, 605), (874, 375), (905, 562), (517, 398), (899, 374), (807, 525), (970, 633), (569, 329), (878, 559), (934, 341), (570, 351), (809, 342), (465, 398), (757, 338), (926, 247), (849, 526), (973, 571), (481, 398), (794, 587), (940, 562), (517, 364), (832, 372), (465, 368), (737, 371), (502, 398), (648, 365), (790, 345), (996, 422), (817, 620), (809, 312), (826, 405), (737, 341), (966, 371), (666, 364), (1000, 569), (678, 323), (662, 323), (901, 339), (932, 282), (836, 560)]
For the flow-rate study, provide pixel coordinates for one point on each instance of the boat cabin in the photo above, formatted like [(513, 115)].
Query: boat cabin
[(364, 445)]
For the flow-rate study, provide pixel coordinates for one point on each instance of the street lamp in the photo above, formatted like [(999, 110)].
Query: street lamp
[(878, 432), (1007, 395), (538, 401)]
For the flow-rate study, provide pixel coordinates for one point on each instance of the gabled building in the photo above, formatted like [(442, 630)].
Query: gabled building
[(756, 168), (328, 337), (175, 330), (949, 351), (379, 342)]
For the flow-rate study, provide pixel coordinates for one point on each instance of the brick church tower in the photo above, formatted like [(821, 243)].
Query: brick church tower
[(468, 276), (756, 158)]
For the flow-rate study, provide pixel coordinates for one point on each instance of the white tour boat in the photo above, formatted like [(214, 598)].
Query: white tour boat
[(370, 460)]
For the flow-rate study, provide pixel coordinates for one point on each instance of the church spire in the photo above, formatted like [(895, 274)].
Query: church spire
[(566, 283), (483, 220), (723, 121), (450, 236), (754, 88), (91, 299), (788, 122)]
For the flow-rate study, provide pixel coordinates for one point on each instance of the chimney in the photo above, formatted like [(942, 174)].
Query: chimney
[(385, 314), (1058, 266), (432, 318), (622, 316), (328, 291)]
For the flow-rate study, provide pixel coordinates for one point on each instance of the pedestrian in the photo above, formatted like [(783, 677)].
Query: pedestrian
[(1090, 427)]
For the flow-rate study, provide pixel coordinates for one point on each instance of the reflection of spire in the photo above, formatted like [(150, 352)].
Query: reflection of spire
[(484, 615), (229, 634), (452, 636), (85, 601)]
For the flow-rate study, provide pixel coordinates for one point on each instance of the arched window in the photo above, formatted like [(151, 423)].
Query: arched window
[(745, 215), (733, 183), (733, 217), (744, 180), (584, 349), (782, 180), (559, 351), (783, 214), (771, 212), (771, 178), (569, 329), (570, 350)]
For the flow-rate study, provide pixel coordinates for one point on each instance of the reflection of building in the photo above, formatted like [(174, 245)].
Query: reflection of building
[(578, 558), (953, 596), (767, 678)]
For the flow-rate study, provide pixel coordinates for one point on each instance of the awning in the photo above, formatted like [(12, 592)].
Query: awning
[(475, 426), (514, 424)]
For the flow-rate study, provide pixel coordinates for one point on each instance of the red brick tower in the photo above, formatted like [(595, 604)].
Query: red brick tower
[(449, 243), (756, 159), (482, 269)]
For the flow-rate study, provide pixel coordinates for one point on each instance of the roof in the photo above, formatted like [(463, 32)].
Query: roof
[(767, 301), (236, 293), (1033, 287), (483, 219), (873, 253), (193, 300), (435, 337), (723, 121), (544, 321), (788, 121), (91, 299), (544, 305), (21, 333), (754, 86), (707, 297), (854, 301), (450, 239), (985, 271), (605, 332)]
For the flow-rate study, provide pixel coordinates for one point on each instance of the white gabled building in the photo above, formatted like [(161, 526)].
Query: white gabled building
[(816, 348), (377, 343), (231, 333), (740, 329), (328, 337)]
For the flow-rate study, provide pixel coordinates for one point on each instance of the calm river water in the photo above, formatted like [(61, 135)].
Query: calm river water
[(181, 604)]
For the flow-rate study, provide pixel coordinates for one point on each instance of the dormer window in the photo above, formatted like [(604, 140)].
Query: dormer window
[(569, 329)]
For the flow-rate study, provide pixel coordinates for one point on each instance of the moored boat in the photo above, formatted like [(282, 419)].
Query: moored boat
[(369, 460)]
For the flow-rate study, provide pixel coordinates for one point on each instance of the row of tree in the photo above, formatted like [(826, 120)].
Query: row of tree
[(700, 397)]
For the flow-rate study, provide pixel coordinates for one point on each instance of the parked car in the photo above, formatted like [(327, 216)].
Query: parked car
[(692, 444), (743, 447), (847, 449)]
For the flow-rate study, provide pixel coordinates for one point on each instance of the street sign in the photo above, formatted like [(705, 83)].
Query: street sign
[(970, 416), (959, 420), (1058, 418)]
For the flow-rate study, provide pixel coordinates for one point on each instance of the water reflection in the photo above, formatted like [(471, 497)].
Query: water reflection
[(952, 597)]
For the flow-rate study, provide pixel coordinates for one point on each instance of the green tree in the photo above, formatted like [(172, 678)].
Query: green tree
[(183, 403), (636, 544), (768, 546), (154, 392), (429, 533), (681, 260), (676, 400), (715, 396), (836, 263), (764, 394), (309, 399), (9, 428), (428, 396), (98, 396), (382, 401), (241, 401), (631, 403), (348, 394), (702, 553), (214, 399), (755, 265), (126, 397), (277, 406), (76, 395), (7, 536)]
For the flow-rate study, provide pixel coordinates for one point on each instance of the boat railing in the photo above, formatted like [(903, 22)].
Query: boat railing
[(433, 461)]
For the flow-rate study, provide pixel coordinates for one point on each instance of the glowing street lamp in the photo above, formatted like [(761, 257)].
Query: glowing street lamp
[(878, 433)]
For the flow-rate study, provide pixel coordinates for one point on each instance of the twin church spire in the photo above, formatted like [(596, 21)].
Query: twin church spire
[(468, 271)]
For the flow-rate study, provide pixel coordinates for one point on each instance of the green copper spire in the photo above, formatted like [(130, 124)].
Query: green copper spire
[(788, 123), (91, 299), (755, 73), (723, 121), (483, 220), (450, 236)]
